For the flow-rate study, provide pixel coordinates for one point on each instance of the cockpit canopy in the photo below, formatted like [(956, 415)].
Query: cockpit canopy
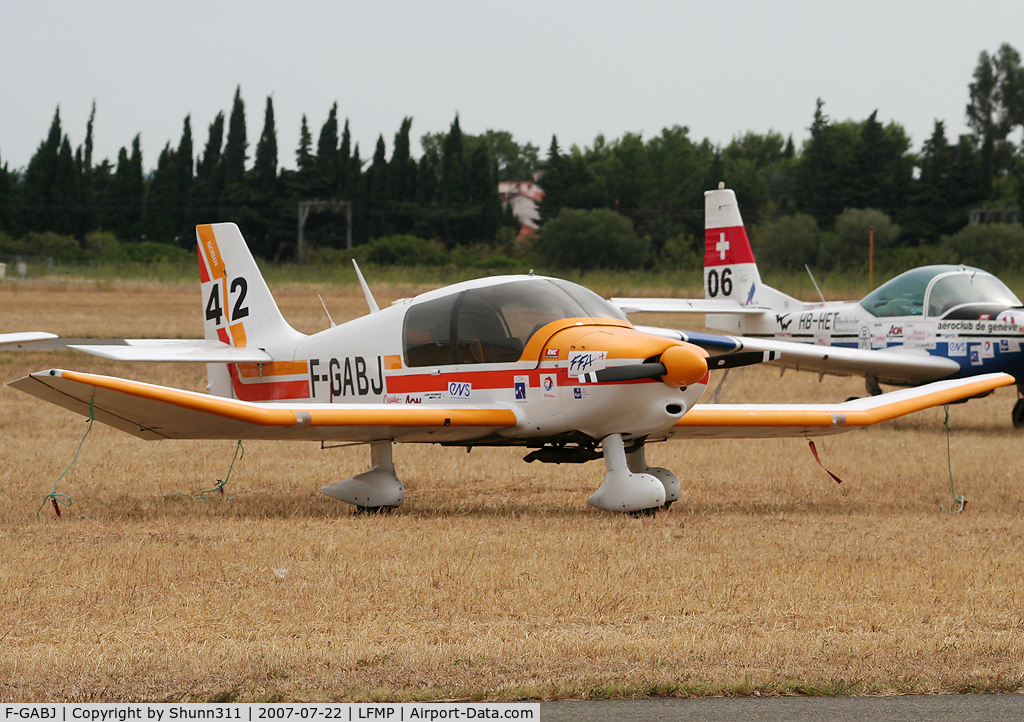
[(493, 323), (941, 291)]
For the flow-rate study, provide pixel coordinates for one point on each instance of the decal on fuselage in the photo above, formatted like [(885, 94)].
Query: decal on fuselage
[(348, 376), (811, 321), (580, 362), (521, 384)]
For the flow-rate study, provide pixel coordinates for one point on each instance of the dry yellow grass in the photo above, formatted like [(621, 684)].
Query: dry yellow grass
[(495, 579)]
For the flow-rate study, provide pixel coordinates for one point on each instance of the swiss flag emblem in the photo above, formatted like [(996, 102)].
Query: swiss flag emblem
[(726, 246)]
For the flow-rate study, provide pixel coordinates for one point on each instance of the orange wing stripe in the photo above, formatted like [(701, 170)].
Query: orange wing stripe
[(260, 416), (711, 416), (752, 417)]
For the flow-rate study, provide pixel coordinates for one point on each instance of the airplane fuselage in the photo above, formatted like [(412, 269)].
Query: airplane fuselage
[(477, 344), (978, 345)]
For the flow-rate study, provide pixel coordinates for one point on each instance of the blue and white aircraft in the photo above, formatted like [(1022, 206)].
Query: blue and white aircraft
[(932, 322)]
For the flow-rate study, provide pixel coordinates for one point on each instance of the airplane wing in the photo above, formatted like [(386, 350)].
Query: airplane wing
[(898, 365), (158, 412), (759, 421), (175, 349), (19, 339), (685, 305)]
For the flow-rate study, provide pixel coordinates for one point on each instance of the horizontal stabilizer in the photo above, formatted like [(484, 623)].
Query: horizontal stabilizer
[(18, 340), (685, 305), (174, 349), (158, 412)]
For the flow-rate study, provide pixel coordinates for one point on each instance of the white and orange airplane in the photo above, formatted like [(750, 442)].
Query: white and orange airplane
[(18, 340), (522, 360)]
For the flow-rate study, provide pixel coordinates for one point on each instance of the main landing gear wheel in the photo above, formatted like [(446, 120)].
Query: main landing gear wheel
[(371, 510), (1018, 414), (646, 512)]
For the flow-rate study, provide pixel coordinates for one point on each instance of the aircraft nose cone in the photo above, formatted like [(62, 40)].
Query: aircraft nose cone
[(684, 365)]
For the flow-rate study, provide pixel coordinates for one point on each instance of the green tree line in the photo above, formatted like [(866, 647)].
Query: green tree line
[(649, 192)]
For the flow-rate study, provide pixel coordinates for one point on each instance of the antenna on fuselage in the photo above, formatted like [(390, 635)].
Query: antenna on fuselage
[(820, 294), (333, 324), (366, 289)]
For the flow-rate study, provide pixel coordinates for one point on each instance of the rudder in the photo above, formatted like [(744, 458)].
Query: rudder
[(238, 308)]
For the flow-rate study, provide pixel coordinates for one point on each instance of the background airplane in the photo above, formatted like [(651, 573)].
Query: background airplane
[(17, 340), (525, 361), (932, 322)]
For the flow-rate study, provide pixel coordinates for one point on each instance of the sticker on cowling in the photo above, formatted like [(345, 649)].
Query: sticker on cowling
[(549, 385), (581, 362)]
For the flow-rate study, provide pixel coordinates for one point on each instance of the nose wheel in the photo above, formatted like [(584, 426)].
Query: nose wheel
[(624, 490)]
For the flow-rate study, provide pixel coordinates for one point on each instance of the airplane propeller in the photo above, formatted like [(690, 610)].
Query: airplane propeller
[(681, 368)]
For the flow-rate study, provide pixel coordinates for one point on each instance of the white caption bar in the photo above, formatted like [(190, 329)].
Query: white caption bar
[(342, 712)]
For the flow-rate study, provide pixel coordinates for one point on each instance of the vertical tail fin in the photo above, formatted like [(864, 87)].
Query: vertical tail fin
[(730, 271), (729, 268), (238, 308)]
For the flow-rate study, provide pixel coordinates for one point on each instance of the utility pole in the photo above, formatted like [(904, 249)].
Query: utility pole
[(871, 258)]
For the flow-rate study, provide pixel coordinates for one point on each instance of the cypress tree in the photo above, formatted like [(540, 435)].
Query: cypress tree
[(39, 178), (344, 161), (402, 169), (87, 159), (7, 203), (483, 193), (303, 157), (376, 193), (236, 146), (265, 166), (327, 155), (209, 181), (65, 194), (162, 199), (210, 163), (125, 194), (184, 160), (553, 181), (302, 180), (453, 189), (264, 225)]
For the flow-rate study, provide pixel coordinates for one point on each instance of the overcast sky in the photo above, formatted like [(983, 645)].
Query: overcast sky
[(532, 67)]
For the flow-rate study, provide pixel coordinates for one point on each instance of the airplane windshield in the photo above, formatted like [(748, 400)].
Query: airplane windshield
[(903, 295), (973, 288), (493, 324)]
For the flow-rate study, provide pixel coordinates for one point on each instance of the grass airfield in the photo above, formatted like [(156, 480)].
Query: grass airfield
[(495, 581)]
